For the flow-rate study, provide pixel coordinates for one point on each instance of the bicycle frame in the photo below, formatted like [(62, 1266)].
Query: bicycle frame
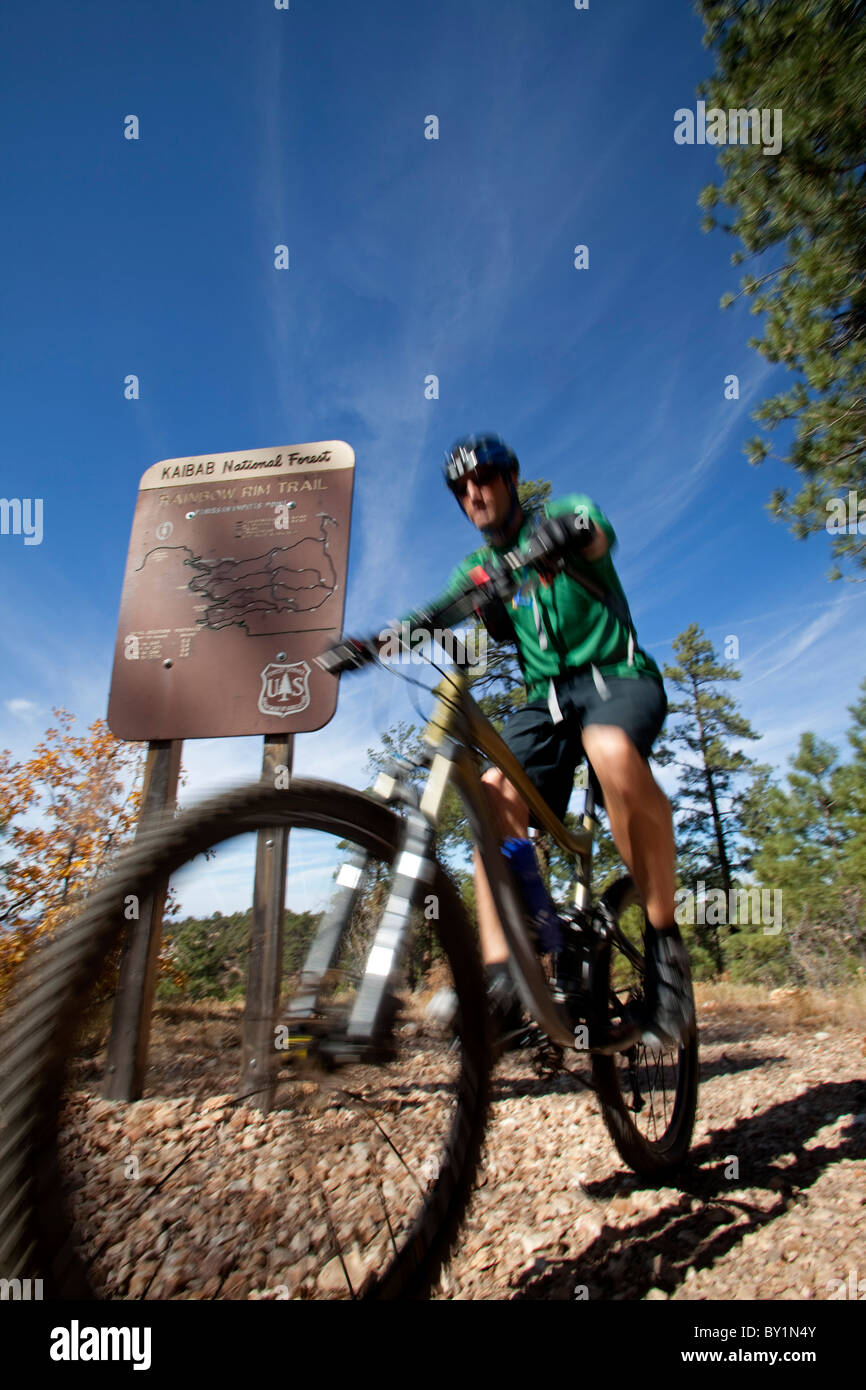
[(456, 729)]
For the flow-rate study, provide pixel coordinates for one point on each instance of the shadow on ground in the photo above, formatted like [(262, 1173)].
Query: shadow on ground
[(707, 1219)]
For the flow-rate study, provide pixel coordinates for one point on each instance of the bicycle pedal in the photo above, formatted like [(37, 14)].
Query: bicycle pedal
[(548, 1058), (297, 1045), (296, 1039), (617, 1038), (344, 1052), (513, 1041)]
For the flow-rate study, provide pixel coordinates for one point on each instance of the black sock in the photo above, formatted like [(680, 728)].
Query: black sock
[(500, 986), (497, 971)]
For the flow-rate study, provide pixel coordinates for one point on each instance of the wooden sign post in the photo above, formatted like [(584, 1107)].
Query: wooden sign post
[(126, 1062), (264, 973)]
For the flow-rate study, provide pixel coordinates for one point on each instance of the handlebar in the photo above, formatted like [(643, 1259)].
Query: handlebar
[(488, 584)]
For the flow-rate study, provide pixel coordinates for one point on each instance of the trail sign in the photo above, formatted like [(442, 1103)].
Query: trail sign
[(235, 581)]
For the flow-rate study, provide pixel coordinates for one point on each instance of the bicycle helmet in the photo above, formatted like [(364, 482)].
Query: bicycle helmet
[(475, 450), (485, 451)]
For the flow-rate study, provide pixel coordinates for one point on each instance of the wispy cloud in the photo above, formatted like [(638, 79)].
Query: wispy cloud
[(687, 471), (20, 707), (824, 623)]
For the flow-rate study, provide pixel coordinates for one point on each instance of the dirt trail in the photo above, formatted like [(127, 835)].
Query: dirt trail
[(772, 1206)]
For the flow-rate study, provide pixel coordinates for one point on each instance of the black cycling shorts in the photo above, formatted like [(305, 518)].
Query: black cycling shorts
[(549, 753)]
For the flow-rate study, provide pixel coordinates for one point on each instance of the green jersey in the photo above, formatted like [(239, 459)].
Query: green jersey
[(563, 625)]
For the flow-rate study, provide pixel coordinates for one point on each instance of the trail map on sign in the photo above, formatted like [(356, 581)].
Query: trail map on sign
[(258, 593), (235, 581)]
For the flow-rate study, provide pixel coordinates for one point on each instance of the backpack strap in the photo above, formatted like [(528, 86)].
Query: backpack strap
[(613, 602)]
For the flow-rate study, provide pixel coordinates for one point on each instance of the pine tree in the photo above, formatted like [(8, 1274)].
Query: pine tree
[(802, 844), (851, 787), (705, 804), (802, 212), (814, 799), (793, 834), (801, 825)]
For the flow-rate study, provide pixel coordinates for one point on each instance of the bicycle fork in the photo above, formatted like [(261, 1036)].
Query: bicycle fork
[(414, 867)]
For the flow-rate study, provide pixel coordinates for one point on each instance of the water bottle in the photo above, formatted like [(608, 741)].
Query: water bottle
[(521, 856)]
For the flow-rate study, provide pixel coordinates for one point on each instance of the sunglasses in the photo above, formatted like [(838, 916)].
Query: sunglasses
[(482, 475)]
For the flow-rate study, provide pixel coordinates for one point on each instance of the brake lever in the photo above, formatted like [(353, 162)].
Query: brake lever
[(347, 655)]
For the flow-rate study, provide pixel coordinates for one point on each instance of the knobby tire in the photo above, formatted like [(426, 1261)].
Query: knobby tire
[(50, 996), (665, 1149)]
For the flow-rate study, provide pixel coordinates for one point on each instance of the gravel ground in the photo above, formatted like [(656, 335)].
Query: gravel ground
[(771, 1207), (183, 1196)]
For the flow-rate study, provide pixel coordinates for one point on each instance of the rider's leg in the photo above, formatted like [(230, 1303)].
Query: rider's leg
[(548, 753), (639, 814), (642, 827), (510, 816)]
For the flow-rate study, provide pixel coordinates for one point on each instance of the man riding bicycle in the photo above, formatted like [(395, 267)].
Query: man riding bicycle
[(591, 691)]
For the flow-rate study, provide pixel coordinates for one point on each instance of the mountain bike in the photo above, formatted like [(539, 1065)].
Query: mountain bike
[(382, 1110)]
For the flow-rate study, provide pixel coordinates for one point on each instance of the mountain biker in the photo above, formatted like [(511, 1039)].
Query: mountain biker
[(590, 690)]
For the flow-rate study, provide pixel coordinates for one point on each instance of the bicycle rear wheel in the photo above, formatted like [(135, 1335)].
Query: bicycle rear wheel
[(353, 1186), (648, 1094)]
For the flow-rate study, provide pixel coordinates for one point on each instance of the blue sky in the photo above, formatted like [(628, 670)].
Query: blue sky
[(408, 257)]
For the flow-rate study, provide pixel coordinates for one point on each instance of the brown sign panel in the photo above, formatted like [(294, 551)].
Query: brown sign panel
[(236, 579)]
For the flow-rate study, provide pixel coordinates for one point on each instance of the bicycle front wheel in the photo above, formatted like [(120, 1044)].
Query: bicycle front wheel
[(648, 1094), (354, 1184)]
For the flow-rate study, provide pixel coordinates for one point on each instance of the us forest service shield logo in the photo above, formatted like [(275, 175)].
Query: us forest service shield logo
[(285, 688)]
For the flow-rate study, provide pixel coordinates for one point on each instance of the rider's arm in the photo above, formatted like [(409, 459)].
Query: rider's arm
[(351, 652), (499, 625), (578, 505), (598, 546), (418, 618)]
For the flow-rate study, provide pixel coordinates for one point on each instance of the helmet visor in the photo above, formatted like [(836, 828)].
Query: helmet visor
[(484, 473), (477, 457)]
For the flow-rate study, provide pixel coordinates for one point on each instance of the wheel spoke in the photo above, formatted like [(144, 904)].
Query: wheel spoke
[(338, 1248), (387, 1138), (387, 1217)]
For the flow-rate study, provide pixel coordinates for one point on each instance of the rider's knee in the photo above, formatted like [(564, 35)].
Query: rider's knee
[(496, 782), (499, 787), (502, 795), (614, 758)]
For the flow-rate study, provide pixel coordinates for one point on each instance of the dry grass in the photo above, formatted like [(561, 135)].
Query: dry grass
[(757, 1005), (218, 1023), (789, 1005)]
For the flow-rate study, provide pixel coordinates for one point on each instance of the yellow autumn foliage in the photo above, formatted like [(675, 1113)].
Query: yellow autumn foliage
[(65, 812)]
